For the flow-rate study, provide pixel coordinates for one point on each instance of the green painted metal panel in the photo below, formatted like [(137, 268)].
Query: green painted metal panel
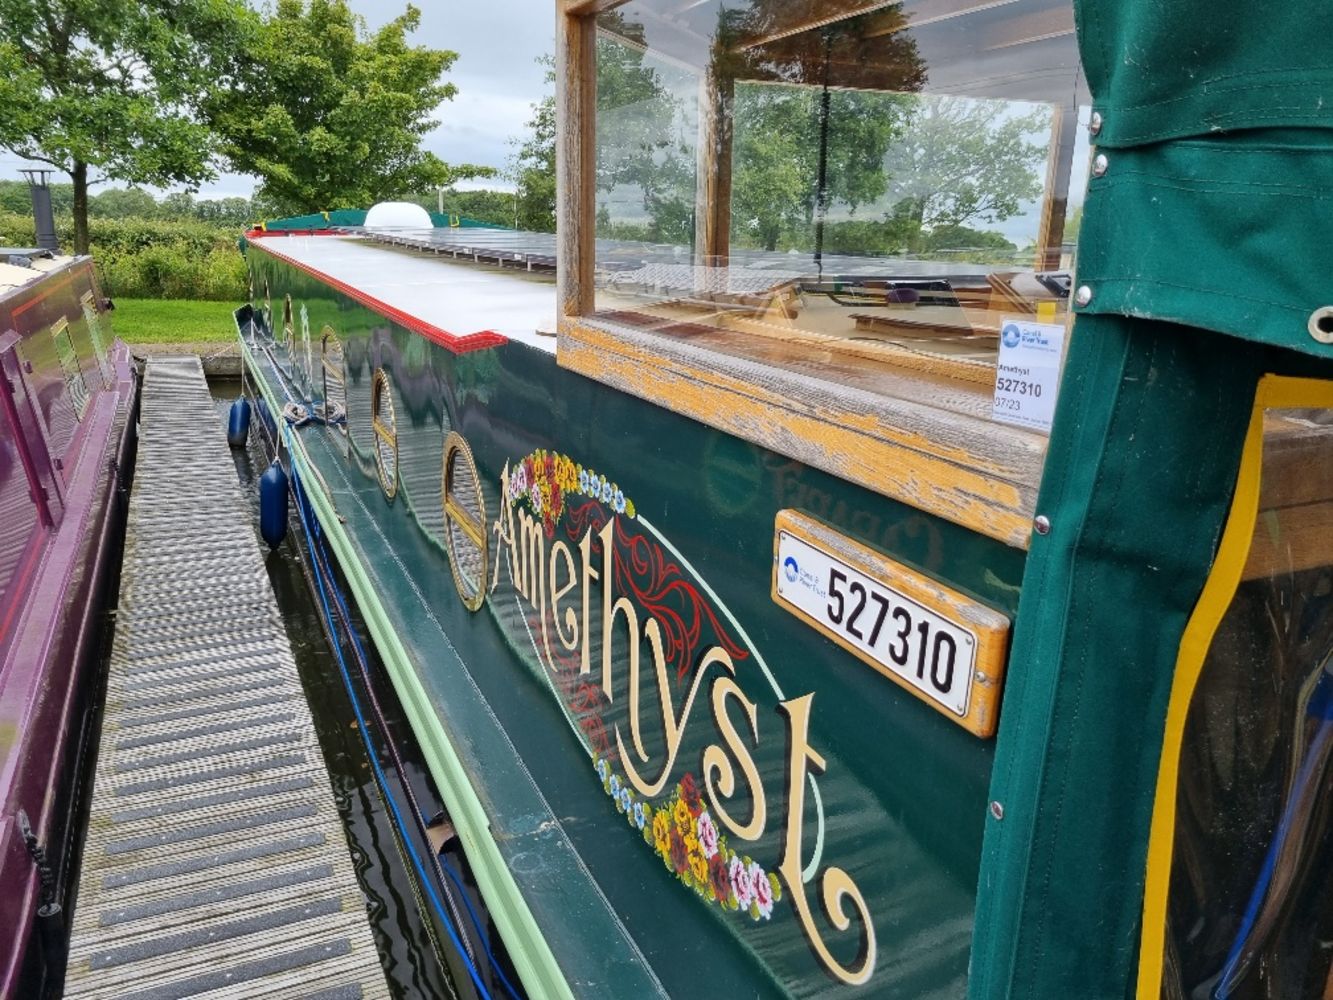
[(904, 791)]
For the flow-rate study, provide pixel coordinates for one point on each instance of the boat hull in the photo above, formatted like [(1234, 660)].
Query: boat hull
[(562, 710), (59, 489)]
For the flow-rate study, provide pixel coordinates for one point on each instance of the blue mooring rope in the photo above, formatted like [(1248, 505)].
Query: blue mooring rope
[(417, 864), (444, 865)]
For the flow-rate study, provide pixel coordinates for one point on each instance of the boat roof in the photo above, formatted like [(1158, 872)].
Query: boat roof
[(460, 300), (14, 276)]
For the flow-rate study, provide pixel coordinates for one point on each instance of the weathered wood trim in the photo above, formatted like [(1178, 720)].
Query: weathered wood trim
[(712, 202), (585, 8), (964, 468), (1055, 202), (575, 161), (989, 627)]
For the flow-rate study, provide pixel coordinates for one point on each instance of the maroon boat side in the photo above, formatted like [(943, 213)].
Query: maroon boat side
[(67, 395)]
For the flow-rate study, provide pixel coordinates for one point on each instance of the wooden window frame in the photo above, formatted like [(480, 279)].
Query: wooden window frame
[(962, 467)]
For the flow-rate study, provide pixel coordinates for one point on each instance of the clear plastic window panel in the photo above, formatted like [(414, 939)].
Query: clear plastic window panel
[(1250, 913), (835, 184)]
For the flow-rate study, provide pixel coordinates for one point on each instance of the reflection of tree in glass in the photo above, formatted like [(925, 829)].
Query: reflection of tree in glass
[(964, 161), (851, 103), (775, 179), (644, 139)]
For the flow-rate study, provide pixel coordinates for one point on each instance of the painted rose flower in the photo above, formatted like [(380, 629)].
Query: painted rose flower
[(592, 486), (615, 786), (618, 501), (680, 854), (640, 817), (707, 834), (662, 833), (603, 769), (583, 480), (763, 891), (683, 817), (740, 882), (689, 794), (607, 491), (626, 802), (718, 879)]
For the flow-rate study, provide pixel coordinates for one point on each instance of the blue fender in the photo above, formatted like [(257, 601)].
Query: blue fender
[(238, 423), (273, 505)]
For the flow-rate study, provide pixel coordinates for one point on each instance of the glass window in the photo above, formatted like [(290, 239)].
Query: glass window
[(18, 513), (94, 322), (1251, 883), (386, 433), (69, 367), (838, 188)]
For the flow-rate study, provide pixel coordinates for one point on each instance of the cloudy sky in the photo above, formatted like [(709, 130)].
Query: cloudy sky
[(496, 73)]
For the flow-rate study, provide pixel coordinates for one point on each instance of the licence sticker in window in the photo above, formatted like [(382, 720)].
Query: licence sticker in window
[(941, 645)]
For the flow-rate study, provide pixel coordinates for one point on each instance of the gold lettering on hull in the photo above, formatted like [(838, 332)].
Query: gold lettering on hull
[(546, 577)]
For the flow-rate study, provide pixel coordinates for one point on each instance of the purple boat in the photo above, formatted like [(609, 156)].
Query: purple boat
[(66, 400)]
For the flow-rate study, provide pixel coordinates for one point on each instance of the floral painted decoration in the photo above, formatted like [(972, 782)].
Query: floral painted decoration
[(546, 479), (685, 837)]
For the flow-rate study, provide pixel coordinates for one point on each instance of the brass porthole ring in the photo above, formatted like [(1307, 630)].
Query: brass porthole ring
[(386, 433), (465, 521)]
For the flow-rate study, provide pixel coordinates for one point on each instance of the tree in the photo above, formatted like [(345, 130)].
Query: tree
[(124, 203), (232, 212), (108, 89), (533, 165), (14, 197), (329, 114)]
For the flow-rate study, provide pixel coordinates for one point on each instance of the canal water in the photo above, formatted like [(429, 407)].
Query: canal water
[(406, 940)]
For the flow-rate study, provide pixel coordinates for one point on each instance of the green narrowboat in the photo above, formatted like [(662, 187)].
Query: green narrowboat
[(880, 545)]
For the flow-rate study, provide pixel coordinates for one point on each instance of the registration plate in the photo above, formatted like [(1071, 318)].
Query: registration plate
[(924, 636)]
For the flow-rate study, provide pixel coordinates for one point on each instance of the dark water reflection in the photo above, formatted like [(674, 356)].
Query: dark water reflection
[(401, 933)]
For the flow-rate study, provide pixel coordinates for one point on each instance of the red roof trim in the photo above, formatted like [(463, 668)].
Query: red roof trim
[(253, 234), (456, 343)]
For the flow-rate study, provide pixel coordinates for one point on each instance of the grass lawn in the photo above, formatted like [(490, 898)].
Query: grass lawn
[(172, 321)]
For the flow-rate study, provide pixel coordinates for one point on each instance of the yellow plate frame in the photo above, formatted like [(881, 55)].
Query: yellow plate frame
[(1273, 392), (990, 627)]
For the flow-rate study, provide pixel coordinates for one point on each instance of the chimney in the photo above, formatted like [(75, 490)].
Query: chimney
[(41, 209)]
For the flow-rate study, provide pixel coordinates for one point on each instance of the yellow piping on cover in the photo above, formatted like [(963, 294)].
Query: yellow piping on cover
[(1273, 392)]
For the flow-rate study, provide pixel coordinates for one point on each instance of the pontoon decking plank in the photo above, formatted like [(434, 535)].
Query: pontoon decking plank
[(215, 863)]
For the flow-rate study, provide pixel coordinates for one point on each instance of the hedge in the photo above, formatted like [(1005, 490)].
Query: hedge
[(151, 259)]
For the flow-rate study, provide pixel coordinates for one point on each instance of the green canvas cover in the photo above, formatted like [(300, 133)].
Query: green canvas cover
[(1217, 128), (1205, 247)]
